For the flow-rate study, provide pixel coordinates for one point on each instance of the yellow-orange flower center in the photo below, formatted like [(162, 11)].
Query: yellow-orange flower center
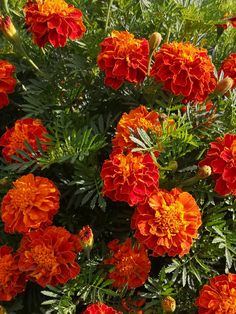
[(44, 257), (187, 51), (128, 164), (227, 301), (127, 265), (127, 43), (48, 7), (24, 197)]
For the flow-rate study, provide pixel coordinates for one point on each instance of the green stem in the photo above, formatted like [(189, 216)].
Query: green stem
[(5, 6), (108, 14)]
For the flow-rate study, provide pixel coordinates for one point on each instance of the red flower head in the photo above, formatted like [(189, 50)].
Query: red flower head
[(167, 223), (185, 71), (7, 82), (48, 257), (30, 204), (123, 58), (129, 178), (53, 21), (24, 130), (219, 296), (229, 66), (131, 264), (221, 157), (136, 118), (12, 281), (100, 308)]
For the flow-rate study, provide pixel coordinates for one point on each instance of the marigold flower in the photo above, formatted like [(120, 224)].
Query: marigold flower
[(123, 58), (12, 281), (100, 308), (48, 256), (7, 82), (228, 66), (129, 178), (185, 71), (221, 157), (30, 204), (136, 118), (53, 21), (218, 296), (131, 264), (25, 130), (167, 223), (7, 27)]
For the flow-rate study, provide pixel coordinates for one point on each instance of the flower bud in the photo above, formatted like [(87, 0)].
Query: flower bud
[(168, 304), (2, 310), (204, 172), (86, 238), (224, 85), (154, 41), (7, 27)]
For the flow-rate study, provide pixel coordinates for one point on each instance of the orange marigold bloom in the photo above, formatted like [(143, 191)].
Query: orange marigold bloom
[(7, 82), (24, 130), (136, 118), (185, 71), (100, 308), (12, 281), (167, 223), (129, 178), (218, 296), (53, 21), (123, 58), (221, 157), (131, 264), (48, 256), (229, 66), (30, 204)]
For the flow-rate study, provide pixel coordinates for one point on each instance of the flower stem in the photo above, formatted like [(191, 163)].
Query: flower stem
[(108, 14)]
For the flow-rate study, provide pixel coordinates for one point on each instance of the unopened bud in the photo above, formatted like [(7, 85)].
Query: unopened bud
[(86, 238), (154, 41), (224, 85), (168, 304), (204, 172), (173, 165), (7, 27), (2, 310)]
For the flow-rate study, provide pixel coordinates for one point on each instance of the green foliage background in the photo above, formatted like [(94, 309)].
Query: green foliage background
[(80, 113)]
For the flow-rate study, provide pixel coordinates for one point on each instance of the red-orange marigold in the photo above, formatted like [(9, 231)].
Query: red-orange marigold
[(218, 296), (25, 130), (48, 256), (136, 118), (221, 157), (53, 21), (185, 71), (7, 82), (167, 223), (129, 178), (123, 58), (12, 281), (30, 204), (100, 308), (131, 264), (229, 67)]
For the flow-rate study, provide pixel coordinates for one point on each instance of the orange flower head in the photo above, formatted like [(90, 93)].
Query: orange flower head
[(167, 223), (221, 157), (30, 204), (218, 296), (100, 308), (25, 130), (136, 118), (185, 71), (123, 58), (48, 256), (129, 178), (7, 82), (12, 281), (131, 264), (228, 66), (53, 21)]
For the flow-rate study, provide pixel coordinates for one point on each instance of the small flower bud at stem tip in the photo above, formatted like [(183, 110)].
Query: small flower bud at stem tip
[(224, 85), (204, 172), (154, 41), (168, 304)]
